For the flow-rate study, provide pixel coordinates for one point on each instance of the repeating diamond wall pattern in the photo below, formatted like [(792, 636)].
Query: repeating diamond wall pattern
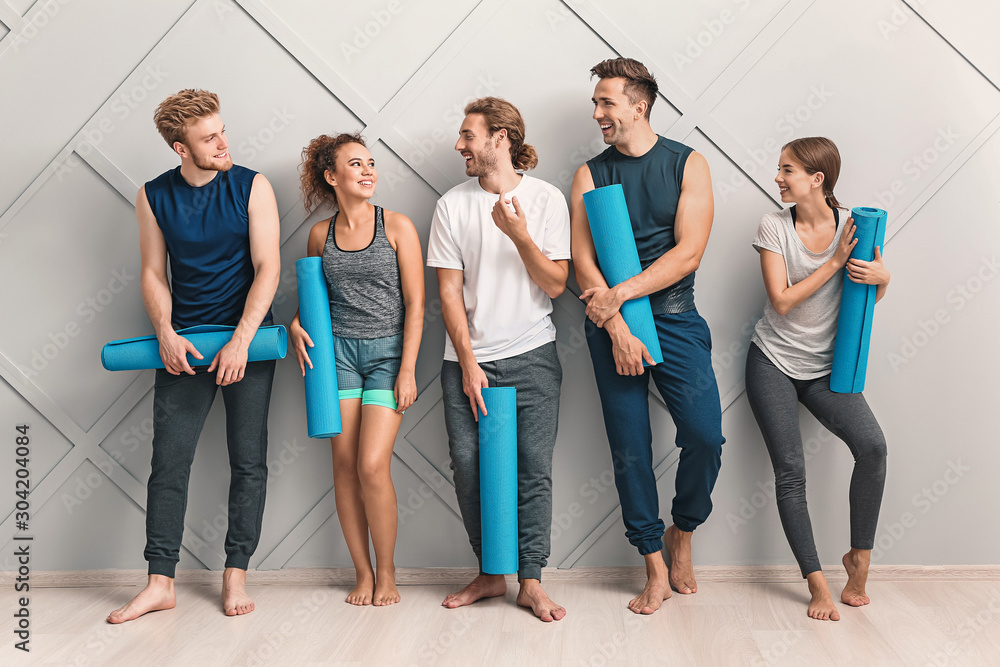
[(909, 90)]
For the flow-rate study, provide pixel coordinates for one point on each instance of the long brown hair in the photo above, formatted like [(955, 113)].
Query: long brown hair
[(502, 115), (818, 155), (318, 157)]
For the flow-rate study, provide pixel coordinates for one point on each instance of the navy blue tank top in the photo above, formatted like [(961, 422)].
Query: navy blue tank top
[(652, 185), (206, 230)]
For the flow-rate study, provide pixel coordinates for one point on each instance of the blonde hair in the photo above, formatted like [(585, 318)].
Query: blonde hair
[(175, 113), (502, 115)]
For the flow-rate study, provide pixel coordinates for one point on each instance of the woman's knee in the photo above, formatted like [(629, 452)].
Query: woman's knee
[(373, 472)]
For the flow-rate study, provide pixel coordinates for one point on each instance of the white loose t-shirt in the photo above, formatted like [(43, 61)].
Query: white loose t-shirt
[(508, 313), (800, 343)]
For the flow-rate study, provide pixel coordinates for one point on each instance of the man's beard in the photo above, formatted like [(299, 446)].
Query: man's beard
[(483, 164), (213, 165)]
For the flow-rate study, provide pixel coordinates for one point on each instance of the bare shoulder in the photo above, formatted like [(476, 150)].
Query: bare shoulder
[(396, 222), (583, 181), (696, 165), (398, 228)]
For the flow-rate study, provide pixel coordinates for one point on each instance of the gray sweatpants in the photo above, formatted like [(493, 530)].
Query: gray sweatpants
[(537, 376)]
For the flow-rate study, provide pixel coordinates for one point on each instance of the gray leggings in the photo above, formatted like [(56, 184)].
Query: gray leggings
[(774, 399)]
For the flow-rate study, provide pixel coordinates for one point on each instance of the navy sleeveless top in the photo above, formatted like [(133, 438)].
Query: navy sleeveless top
[(206, 230), (652, 185)]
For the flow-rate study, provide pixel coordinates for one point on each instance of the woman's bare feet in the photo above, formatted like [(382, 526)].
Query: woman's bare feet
[(821, 607), (363, 590), (856, 562), (385, 588), (235, 601), (483, 586), (657, 588), (531, 595), (157, 595), (678, 545)]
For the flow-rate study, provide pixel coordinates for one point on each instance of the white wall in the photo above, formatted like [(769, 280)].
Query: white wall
[(908, 91)]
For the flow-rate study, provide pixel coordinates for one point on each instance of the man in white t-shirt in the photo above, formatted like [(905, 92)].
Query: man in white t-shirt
[(501, 246)]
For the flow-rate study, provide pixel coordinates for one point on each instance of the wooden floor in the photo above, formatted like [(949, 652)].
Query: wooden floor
[(923, 620)]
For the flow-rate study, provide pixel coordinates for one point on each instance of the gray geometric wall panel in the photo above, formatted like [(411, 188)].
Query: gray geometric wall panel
[(909, 90)]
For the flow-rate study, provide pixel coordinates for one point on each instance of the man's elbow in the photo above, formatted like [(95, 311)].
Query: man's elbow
[(556, 290)]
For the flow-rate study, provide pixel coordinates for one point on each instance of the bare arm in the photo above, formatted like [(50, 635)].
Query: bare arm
[(156, 290), (784, 298), (692, 225), (550, 275), (297, 335), (627, 349), (403, 237), (456, 321), (265, 233)]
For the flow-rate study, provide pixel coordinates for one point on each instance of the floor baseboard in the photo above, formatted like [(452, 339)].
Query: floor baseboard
[(441, 576)]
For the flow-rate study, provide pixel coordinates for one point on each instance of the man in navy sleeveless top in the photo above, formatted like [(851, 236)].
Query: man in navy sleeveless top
[(217, 224), (668, 192)]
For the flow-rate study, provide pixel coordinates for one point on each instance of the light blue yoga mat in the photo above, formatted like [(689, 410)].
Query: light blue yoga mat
[(498, 480), (619, 259), (133, 354), (322, 399), (857, 307)]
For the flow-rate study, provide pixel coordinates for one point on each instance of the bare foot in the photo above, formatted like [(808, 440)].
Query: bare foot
[(362, 593), (657, 588), (158, 594), (856, 562), (235, 601), (681, 568), (821, 607), (483, 586), (531, 595), (385, 588)]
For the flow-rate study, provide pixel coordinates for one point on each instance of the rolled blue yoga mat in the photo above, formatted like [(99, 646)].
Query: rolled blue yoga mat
[(498, 480), (857, 307), (133, 354), (616, 253), (322, 399)]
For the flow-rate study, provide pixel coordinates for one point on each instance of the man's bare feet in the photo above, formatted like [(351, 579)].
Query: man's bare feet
[(678, 545), (158, 594), (821, 607), (483, 586), (532, 596), (363, 589), (385, 588), (856, 562), (235, 601), (657, 588)]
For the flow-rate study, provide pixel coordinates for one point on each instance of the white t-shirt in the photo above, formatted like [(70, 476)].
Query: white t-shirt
[(508, 313), (800, 343)]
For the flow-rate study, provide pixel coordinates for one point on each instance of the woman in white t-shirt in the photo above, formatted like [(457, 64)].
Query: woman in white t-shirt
[(803, 252)]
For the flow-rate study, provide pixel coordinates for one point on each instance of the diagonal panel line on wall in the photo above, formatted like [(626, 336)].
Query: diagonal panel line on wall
[(290, 544), (932, 188), (78, 136), (309, 59), (910, 5), (667, 464), (10, 18)]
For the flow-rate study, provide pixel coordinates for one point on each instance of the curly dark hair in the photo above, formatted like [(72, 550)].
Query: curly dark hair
[(318, 157)]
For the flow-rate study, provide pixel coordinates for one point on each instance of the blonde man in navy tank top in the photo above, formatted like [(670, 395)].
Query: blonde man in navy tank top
[(374, 273), (668, 191), (217, 224)]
